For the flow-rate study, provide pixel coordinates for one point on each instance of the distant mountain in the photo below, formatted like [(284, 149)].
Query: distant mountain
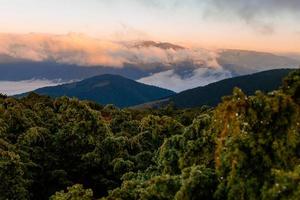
[(25, 70), (216, 66), (7, 59), (242, 62), (161, 45), (211, 94), (108, 89), (168, 65)]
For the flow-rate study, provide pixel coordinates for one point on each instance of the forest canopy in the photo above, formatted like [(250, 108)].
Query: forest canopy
[(247, 147)]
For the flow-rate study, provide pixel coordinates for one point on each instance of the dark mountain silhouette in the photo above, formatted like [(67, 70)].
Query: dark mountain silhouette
[(108, 89), (211, 94)]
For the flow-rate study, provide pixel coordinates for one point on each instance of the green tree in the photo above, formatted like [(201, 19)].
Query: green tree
[(285, 185), (13, 182), (76, 192), (255, 134), (198, 182)]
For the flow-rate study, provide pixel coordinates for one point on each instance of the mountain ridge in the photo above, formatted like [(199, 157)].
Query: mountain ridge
[(211, 94), (107, 89)]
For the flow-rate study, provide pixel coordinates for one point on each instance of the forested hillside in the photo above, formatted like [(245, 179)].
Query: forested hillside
[(248, 147), (212, 94)]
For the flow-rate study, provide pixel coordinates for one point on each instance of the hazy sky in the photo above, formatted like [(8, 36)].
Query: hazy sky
[(271, 25)]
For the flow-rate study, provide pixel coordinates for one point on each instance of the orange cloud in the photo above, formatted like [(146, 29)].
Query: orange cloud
[(82, 50)]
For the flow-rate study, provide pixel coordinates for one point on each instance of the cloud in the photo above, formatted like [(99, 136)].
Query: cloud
[(72, 48), (148, 55), (165, 4), (263, 16), (82, 50), (246, 8), (18, 87), (259, 14), (200, 77), (127, 32)]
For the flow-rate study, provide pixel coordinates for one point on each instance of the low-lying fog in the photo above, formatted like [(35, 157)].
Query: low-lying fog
[(18, 87)]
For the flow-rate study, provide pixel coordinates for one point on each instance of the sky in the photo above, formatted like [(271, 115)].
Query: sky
[(266, 25)]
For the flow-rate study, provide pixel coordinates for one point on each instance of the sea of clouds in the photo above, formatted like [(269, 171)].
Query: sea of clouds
[(82, 50), (19, 87), (200, 77)]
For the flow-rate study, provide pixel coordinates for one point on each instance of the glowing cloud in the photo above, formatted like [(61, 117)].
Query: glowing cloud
[(82, 50)]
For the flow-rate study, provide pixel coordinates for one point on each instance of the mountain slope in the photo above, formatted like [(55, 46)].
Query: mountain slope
[(26, 70), (108, 89), (242, 62), (211, 94)]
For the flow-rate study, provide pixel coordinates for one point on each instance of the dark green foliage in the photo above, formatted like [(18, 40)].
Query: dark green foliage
[(198, 182), (13, 182), (291, 85), (256, 134), (248, 147), (285, 185), (76, 192)]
